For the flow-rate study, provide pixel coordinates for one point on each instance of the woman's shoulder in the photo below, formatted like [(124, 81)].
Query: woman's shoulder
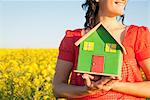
[(75, 32), (138, 27), (138, 31)]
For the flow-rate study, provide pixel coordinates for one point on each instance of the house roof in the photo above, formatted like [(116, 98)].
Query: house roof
[(94, 29)]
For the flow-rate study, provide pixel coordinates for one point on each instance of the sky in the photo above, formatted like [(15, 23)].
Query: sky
[(42, 23)]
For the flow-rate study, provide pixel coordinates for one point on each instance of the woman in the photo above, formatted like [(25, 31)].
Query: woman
[(86, 87)]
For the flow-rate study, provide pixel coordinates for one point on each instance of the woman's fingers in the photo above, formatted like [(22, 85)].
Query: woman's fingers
[(104, 83), (78, 74), (100, 83), (85, 76), (88, 79), (103, 80), (109, 85)]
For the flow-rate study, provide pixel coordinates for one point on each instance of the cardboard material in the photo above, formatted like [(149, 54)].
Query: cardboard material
[(100, 52)]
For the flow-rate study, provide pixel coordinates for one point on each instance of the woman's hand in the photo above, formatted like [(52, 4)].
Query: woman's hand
[(89, 83), (96, 83)]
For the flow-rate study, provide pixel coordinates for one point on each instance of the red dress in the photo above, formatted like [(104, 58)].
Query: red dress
[(137, 45)]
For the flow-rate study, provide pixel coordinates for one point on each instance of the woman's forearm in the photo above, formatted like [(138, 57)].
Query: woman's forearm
[(60, 80), (69, 91), (139, 89)]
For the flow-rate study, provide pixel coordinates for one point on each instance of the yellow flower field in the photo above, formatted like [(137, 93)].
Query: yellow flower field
[(26, 74)]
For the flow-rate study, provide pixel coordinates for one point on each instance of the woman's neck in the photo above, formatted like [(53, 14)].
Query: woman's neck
[(110, 22), (107, 20)]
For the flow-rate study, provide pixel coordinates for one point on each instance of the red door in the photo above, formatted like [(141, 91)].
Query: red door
[(97, 64)]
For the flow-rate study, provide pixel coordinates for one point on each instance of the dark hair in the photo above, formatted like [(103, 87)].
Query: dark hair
[(92, 7)]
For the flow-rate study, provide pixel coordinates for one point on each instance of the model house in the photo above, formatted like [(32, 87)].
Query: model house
[(100, 52)]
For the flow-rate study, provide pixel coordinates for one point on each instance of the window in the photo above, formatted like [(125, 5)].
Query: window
[(110, 47), (88, 46)]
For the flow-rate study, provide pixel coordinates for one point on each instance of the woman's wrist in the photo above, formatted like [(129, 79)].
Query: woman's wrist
[(116, 85)]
